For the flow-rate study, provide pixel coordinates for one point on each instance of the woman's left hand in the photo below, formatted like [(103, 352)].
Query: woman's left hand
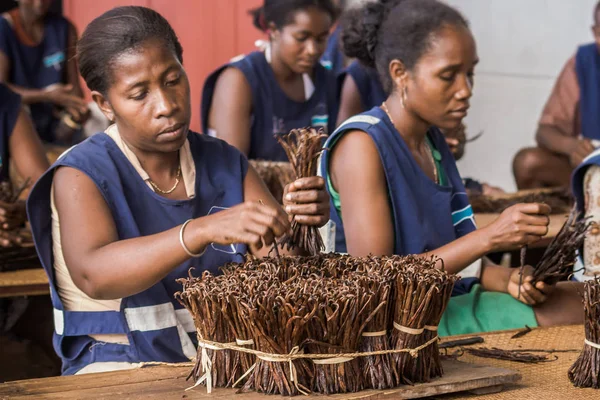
[(307, 201), (12, 215), (529, 294)]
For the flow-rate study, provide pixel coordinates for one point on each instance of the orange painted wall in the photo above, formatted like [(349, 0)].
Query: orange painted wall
[(211, 32)]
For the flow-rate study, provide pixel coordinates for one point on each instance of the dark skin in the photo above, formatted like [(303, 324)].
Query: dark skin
[(149, 100), (68, 95), (27, 152), (440, 84), (295, 50), (558, 152)]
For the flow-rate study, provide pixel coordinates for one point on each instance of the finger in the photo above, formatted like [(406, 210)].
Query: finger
[(268, 210), (67, 87), (534, 208), (312, 182), (544, 288), (532, 219), (452, 142), (304, 196), (307, 209), (275, 223), (311, 220), (535, 295), (588, 146), (535, 230), (525, 297)]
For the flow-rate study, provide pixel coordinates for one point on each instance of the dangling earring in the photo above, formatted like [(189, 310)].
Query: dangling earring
[(403, 97)]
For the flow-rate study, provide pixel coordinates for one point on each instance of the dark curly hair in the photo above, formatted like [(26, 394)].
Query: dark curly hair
[(115, 32), (385, 30), (281, 12)]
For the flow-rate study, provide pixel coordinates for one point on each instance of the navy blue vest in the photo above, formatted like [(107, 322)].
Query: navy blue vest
[(333, 57), (273, 112), (368, 84), (157, 326), (579, 175), (426, 215), (10, 105), (38, 67), (587, 65)]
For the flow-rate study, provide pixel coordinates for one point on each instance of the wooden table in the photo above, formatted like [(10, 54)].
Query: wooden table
[(539, 381), (556, 222), (26, 282)]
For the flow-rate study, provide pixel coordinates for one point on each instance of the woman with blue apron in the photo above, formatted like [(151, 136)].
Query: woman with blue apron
[(264, 94), (37, 61), (402, 193), (124, 214)]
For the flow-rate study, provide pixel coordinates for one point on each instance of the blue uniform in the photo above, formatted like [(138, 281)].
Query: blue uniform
[(10, 105), (368, 84), (157, 326), (37, 67), (333, 57), (273, 112), (587, 66)]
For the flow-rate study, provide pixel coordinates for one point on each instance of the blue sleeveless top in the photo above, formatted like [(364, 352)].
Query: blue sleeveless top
[(367, 82), (38, 67), (333, 57), (157, 326), (10, 105), (587, 66), (273, 112)]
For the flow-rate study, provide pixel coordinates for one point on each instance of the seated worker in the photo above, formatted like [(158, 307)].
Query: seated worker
[(37, 61), (18, 143), (122, 215), (569, 128), (333, 58), (248, 102), (402, 194)]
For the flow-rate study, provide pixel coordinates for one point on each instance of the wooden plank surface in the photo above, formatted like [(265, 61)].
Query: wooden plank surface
[(26, 282), (168, 382), (556, 222)]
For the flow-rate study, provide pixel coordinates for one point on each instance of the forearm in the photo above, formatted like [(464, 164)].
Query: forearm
[(462, 252), (494, 278), (552, 139), (126, 267), (29, 96)]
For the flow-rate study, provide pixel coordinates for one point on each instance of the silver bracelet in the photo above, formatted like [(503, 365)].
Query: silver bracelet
[(188, 252)]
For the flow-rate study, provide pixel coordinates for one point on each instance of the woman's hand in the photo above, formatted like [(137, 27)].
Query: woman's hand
[(251, 223), (307, 201), (528, 294), (12, 215), (519, 225)]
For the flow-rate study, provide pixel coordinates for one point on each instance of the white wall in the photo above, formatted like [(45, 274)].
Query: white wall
[(522, 45)]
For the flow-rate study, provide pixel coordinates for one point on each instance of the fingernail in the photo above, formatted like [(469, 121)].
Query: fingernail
[(288, 209), (288, 197)]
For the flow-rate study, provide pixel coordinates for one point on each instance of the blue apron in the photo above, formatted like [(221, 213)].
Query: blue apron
[(157, 326), (273, 112), (367, 82), (587, 65), (426, 215), (38, 67), (333, 57), (10, 105)]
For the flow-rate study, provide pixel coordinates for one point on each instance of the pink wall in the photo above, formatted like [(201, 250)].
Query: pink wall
[(211, 32)]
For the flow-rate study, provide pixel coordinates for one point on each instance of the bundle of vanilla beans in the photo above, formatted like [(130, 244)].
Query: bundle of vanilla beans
[(303, 147), (328, 307), (559, 199), (585, 372), (276, 175), (560, 256)]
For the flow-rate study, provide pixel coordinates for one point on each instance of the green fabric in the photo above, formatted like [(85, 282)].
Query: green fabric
[(482, 311), (437, 158)]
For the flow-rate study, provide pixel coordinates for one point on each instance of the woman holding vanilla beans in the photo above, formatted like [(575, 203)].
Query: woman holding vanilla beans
[(402, 193), (124, 214)]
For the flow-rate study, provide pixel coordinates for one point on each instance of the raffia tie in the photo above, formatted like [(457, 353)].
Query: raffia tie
[(294, 354), (415, 331), (592, 344)]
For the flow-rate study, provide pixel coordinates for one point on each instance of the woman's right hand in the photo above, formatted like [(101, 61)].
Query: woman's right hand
[(62, 95), (519, 225), (251, 223)]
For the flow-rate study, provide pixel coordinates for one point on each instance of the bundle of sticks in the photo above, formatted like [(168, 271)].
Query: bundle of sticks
[(276, 175), (560, 256), (326, 323), (558, 199), (585, 372), (303, 147)]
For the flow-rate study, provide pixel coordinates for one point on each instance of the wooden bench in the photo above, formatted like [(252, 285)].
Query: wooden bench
[(26, 282)]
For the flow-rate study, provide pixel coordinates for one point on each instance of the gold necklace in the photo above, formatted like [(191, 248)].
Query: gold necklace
[(159, 190), (435, 172)]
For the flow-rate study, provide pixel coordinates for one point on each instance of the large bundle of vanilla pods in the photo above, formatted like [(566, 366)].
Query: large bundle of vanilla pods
[(326, 323)]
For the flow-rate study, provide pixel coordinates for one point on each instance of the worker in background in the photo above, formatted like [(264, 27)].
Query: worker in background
[(37, 61), (569, 128)]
